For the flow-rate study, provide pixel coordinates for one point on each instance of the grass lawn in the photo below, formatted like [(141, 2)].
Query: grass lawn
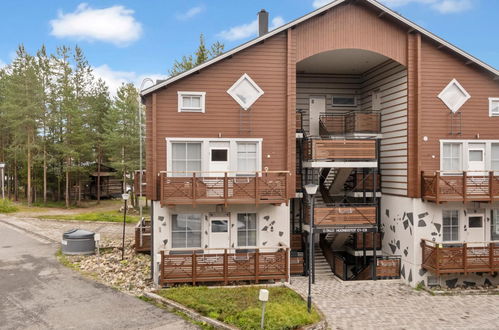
[(6, 206), (109, 216), (241, 308)]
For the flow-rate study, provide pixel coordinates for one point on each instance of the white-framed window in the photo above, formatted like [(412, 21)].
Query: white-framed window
[(493, 106), (494, 226), (344, 101), (454, 96), (451, 156), (186, 230), (186, 158), (246, 229), (191, 101), (245, 91), (494, 157), (450, 225), (246, 157)]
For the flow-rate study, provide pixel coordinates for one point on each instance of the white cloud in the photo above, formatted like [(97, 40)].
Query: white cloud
[(442, 6), (114, 24), (320, 3), (114, 79), (194, 11), (248, 30)]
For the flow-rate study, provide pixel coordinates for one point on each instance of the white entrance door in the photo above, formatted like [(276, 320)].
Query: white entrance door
[(476, 228), (476, 160), (219, 233), (219, 158), (317, 105)]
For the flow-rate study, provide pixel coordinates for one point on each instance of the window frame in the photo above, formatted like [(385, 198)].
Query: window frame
[(494, 225), (457, 106), (200, 109), (354, 97), (241, 172), (232, 93), (492, 100), (200, 231), (186, 159), (246, 231), (461, 156), (492, 159), (451, 226)]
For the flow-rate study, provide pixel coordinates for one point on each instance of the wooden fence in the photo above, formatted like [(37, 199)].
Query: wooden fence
[(352, 122), (449, 258), (262, 187), (222, 266), (461, 187), (343, 215), (354, 149)]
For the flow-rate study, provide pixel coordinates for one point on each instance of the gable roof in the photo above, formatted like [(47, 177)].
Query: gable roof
[(316, 12)]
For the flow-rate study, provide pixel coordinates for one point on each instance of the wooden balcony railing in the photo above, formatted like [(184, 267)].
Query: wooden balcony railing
[(359, 244), (143, 236), (299, 121), (388, 267), (352, 122), (343, 216), (449, 258), (354, 149), (208, 188), (221, 265), (460, 187)]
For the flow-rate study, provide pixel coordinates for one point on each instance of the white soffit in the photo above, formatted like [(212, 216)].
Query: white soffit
[(245, 91), (454, 96)]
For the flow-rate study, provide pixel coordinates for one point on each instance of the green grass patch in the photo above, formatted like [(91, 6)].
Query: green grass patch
[(6, 206), (109, 216), (241, 307)]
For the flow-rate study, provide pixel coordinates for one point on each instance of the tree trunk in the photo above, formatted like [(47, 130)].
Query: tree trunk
[(28, 188), (99, 156), (44, 173), (68, 164), (16, 181)]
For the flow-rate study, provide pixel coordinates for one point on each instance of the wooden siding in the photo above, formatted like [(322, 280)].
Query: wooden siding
[(438, 68), (343, 216), (350, 26), (390, 78), (326, 85), (266, 64)]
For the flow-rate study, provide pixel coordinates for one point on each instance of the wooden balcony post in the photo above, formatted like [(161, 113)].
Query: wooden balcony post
[(257, 188), (194, 188), (226, 188), (465, 182), (226, 267), (437, 187), (437, 259), (162, 276), (257, 265), (286, 264), (421, 183), (162, 179), (491, 257), (491, 183), (423, 252), (465, 258), (193, 267)]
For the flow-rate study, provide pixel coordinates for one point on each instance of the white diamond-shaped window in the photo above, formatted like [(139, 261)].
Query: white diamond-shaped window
[(454, 96), (245, 91)]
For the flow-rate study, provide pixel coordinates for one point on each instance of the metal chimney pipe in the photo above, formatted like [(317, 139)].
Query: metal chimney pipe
[(263, 22)]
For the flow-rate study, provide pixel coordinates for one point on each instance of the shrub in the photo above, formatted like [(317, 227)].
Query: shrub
[(6, 206)]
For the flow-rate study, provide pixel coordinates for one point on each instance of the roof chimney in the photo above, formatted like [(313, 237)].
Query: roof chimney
[(263, 22)]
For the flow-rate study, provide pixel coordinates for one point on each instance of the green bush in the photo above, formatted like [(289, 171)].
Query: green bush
[(6, 206), (241, 307)]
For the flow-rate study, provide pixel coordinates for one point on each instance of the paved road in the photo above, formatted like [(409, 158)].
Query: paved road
[(36, 292), (394, 305)]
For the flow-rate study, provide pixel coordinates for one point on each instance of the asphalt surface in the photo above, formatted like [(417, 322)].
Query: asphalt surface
[(36, 292)]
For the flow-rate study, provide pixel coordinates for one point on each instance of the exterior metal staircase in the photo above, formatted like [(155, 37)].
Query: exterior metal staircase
[(322, 267)]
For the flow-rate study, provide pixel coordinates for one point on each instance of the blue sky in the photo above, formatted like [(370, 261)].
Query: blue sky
[(126, 40)]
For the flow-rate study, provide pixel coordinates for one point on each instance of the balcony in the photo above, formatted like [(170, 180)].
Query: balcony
[(208, 188), (351, 218), (352, 153), (460, 187), (450, 258), (223, 266), (354, 122)]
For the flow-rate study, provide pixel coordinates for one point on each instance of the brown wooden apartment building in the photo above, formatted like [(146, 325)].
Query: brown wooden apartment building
[(399, 128)]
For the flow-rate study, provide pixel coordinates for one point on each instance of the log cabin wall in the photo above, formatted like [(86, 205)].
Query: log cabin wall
[(390, 80), (265, 63)]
